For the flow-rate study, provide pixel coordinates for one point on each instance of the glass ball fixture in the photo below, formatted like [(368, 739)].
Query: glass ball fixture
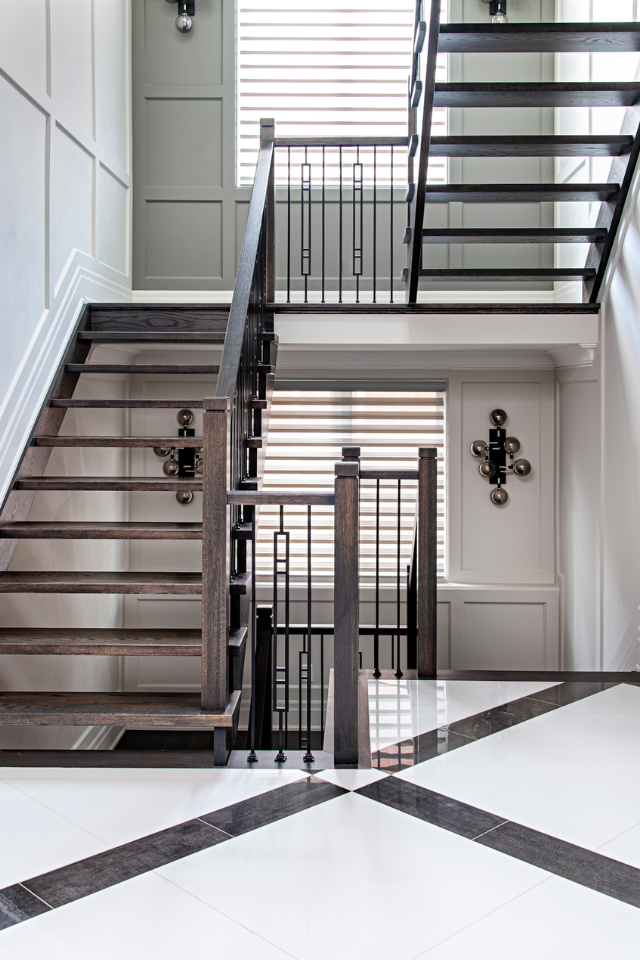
[(184, 417), (487, 469), (512, 445), (184, 497), (478, 448), (498, 417), (170, 467), (522, 467), (499, 496)]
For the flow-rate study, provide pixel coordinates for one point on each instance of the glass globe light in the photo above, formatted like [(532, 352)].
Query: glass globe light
[(200, 466), (498, 417), (522, 467), (184, 417), (184, 24), (162, 451), (478, 448), (499, 496), (487, 469), (170, 468), (184, 497), (512, 445)]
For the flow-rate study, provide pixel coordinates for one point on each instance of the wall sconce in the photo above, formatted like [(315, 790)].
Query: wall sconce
[(187, 10), (497, 10), (189, 463), (494, 466)]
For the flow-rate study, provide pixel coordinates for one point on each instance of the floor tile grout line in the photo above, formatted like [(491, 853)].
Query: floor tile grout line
[(604, 746), (497, 827), (229, 836), (57, 814), (24, 887)]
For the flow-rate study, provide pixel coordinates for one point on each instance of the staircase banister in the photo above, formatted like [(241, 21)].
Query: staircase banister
[(232, 350)]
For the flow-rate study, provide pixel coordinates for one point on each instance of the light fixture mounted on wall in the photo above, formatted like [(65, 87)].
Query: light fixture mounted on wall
[(497, 10), (494, 466), (187, 11), (189, 462)]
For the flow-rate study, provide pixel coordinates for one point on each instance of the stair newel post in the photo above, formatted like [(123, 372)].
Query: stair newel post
[(427, 562), (346, 603), (268, 135), (215, 552)]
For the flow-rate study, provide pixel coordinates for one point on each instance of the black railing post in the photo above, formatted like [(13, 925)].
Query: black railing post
[(268, 134), (346, 614), (427, 562)]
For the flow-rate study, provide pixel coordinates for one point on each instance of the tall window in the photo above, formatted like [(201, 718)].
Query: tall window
[(326, 70), (307, 430)]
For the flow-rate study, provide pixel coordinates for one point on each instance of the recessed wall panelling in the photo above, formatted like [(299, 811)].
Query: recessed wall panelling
[(113, 235), (184, 239), (184, 58), (184, 143), (505, 636), (22, 239), (26, 43), (71, 56), (503, 543), (112, 73), (71, 201)]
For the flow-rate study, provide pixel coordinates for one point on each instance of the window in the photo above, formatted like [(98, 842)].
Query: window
[(308, 428), (327, 71)]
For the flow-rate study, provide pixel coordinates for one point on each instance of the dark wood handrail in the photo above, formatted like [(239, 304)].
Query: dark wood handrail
[(232, 351), (281, 497), (341, 141)]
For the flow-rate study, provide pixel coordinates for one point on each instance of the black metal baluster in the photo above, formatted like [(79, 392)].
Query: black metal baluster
[(308, 757), (288, 224), (323, 198), (357, 205), (398, 670), (322, 687), (391, 234), (340, 231), (279, 681), (252, 758), (376, 636), (375, 211), (305, 222)]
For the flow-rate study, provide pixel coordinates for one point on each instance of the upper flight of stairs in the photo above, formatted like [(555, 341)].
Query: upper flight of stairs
[(112, 324), (496, 39)]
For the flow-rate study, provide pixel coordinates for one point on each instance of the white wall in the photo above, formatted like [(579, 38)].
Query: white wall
[(65, 184)]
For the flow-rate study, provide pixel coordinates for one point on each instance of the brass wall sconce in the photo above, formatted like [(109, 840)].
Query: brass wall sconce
[(189, 462), (494, 453)]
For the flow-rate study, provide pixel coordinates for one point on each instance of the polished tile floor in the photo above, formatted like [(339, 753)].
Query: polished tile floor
[(498, 819)]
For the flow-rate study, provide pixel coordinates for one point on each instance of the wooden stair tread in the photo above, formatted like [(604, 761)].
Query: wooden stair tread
[(117, 709), (82, 581), (129, 368), (88, 530), (545, 94), (159, 336), (239, 583), (159, 318), (596, 37), (530, 146), (108, 483), (127, 404), (118, 441), (109, 759), (101, 642), (520, 192), (514, 235), (393, 309)]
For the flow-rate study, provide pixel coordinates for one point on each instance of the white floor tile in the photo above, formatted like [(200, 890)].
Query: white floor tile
[(557, 920), (35, 839), (400, 709), (144, 918), (625, 847), (611, 718), (570, 788), (350, 879), (129, 804), (351, 779)]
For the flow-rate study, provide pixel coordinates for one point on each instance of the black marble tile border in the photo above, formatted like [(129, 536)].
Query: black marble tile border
[(30, 898), (426, 746), (558, 857)]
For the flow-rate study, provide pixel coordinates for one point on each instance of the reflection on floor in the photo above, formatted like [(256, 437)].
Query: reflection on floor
[(500, 817)]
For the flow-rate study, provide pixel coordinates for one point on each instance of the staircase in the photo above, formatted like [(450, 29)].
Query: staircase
[(432, 37)]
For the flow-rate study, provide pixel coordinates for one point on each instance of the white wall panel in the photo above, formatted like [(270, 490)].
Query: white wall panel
[(71, 201), (26, 44), (72, 59), (113, 217), (112, 78)]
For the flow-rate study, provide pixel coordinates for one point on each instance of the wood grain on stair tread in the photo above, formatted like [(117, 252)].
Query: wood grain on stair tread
[(117, 709), (101, 759), (545, 94), (530, 146), (520, 192), (598, 37), (81, 581), (101, 642), (118, 441), (513, 273), (159, 336), (127, 404), (514, 235), (109, 483), (88, 530), (131, 368), (163, 321)]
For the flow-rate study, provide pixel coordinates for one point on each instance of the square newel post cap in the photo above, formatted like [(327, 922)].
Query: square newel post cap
[(351, 453), (267, 129), (220, 404), (428, 453), (347, 469)]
